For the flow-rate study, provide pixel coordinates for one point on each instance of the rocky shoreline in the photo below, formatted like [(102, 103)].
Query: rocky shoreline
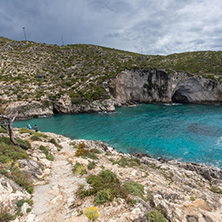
[(179, 192)]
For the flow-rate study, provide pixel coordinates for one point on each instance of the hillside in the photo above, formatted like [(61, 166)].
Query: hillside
[(35, 71), (66, 177)]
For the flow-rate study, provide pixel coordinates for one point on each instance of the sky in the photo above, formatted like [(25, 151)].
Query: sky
[(149, 27)]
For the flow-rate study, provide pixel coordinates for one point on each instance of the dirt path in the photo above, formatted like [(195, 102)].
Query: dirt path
[(52, 201)]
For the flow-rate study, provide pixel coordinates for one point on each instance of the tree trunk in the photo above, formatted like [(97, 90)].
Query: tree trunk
[(10, 130)]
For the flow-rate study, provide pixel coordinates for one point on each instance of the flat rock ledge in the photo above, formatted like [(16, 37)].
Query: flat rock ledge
[(184, 192)]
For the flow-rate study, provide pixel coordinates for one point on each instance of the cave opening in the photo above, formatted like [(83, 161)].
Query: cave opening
[(179, 97)]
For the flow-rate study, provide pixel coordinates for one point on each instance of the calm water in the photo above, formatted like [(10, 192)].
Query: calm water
[(182, 132)]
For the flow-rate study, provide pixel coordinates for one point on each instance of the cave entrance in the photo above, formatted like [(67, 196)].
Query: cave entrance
[(180, 96)]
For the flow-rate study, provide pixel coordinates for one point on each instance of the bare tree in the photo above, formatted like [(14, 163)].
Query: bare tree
[(6, 122)]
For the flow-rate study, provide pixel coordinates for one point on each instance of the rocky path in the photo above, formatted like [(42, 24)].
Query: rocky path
[(52, 200)]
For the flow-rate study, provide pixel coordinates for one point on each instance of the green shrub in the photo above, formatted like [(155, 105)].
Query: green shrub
[(123, 162), (24, 142), (91, 165), (53, 141), (28, 210), (46, 152), (4, 215), (35, 138), (192, 198), (216, 190), (9, 152), (135, 188), (2, 130), (104, 187), (97, 151), (81, 151), (91, 155), (155, 216)]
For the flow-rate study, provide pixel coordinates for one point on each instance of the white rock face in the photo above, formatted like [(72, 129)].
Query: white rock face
[(162, 87), (10, 193)]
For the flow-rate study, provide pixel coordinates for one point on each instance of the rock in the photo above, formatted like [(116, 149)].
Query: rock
[(24, 208), (191, 218), (31, 167), (206, 218), (159, 86), (10, 193), (205, 171), (30, 110)]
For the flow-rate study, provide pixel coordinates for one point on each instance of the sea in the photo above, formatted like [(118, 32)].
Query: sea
[(188, 133)]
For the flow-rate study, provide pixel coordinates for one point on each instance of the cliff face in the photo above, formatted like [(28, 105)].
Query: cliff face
[(157, 86), (149, 86)]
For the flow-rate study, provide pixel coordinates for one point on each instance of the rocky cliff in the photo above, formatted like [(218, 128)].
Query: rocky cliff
[(157, 86)]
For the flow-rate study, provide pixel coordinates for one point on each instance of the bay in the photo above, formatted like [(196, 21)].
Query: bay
[(191, 133)]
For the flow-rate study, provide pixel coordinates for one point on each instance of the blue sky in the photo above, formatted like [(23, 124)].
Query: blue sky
[(147, 26)]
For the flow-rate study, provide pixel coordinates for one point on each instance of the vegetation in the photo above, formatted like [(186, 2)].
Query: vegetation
[(104, 187), (83, 152), (79, 169), (216, 190), (135, 188), (46, 152), (123, 162), (57, 70), (155, 216), (10, 152), (4, 215), (92, 213), (91, 165)]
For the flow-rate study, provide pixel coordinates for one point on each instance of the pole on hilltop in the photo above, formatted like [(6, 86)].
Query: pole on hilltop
[(24, 33)]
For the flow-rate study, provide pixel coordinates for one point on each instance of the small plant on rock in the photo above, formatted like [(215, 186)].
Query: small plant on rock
[(155, 216), (79, 169), (92, 213)]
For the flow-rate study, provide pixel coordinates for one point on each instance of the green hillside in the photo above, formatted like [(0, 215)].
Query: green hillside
[(36, 71)]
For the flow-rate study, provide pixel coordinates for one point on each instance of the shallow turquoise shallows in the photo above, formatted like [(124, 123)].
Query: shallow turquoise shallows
[(182, 132)]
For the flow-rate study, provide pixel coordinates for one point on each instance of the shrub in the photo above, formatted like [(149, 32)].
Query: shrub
[(216, 190), (155, 216), (104, 187), (53, 141), (46, 152), (9, 152), (2, 130), (192, 198), (81, 151), (17, 175), (92, 213), (4, 215), (91, 165), (35, 138), (123, 162), (135, 188), (79, 169)]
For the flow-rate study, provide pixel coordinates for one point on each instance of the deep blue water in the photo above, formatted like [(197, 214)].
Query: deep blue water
[(182, 132)]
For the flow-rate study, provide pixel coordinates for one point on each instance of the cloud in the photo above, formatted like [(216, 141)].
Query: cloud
[(148, 26)]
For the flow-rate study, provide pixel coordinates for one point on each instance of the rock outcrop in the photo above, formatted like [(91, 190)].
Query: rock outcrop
[(157, 86), (28, 110), (65, 105)]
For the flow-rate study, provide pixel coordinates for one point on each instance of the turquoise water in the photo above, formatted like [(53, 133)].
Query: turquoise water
[(182, 132)]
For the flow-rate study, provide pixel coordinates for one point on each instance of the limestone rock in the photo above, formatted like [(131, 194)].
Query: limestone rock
[(10, 193), (31, 168), (162, 87), (30, 110)]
